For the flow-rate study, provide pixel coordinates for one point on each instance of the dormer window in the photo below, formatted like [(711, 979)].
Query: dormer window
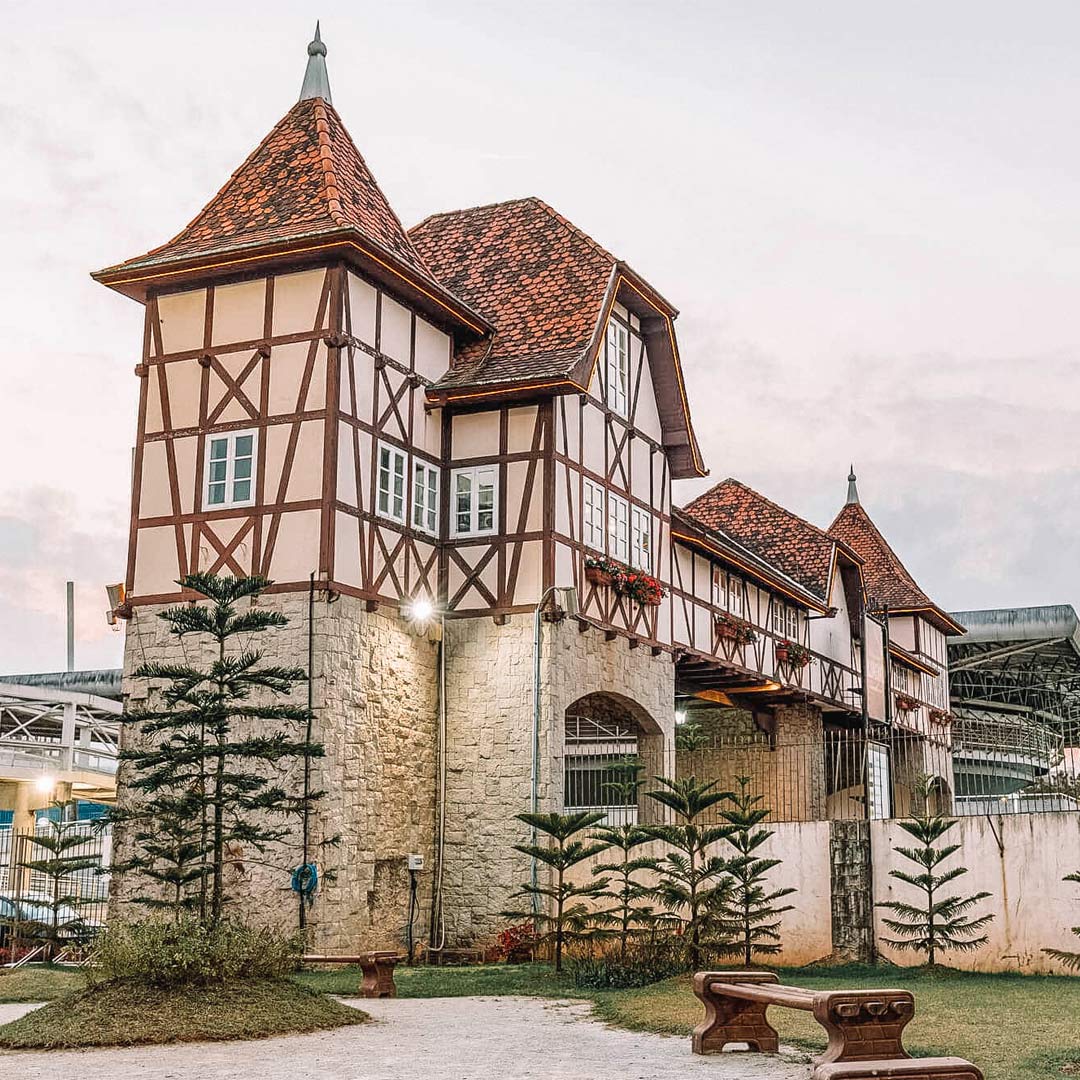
[(618, 367), (230, 470)]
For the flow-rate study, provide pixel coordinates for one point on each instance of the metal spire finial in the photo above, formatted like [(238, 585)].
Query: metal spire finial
[(316, 80), (852, 490)]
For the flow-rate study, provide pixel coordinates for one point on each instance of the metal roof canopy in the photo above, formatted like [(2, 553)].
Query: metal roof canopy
[(1021, 662)]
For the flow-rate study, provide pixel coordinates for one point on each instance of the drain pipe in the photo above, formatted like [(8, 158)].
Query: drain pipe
[(437, 935), (535, 802)]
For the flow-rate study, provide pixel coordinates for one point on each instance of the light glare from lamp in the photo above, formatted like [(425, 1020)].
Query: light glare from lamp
[(422, 610), (680, 716), (44, 784)]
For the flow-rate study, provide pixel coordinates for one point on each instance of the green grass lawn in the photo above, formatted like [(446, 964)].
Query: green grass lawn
[(115, 1014), (1014, 1027)]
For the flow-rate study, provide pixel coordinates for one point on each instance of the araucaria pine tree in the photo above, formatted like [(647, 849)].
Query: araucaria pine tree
[(936, 923), (207, 766), (59, 853), (569, 916), (748, 917), (627, 912), (1070, 959), (692, 881)]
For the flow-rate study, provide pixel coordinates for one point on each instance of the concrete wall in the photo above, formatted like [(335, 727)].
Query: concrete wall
[(1020, 860), (803, 848)]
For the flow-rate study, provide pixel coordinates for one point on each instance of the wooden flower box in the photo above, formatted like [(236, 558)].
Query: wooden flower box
[(906, 703), (788, 652), (597, 576)]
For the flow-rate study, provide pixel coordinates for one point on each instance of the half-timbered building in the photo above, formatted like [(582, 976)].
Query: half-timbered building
[(452, 449)]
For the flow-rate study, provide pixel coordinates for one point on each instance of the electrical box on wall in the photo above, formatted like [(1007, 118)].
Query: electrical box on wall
[(416, 862)]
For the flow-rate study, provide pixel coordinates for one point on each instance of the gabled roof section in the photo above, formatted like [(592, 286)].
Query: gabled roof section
[(888, 583), (795, 547), (687, 529), (305, 181), (547, 288)]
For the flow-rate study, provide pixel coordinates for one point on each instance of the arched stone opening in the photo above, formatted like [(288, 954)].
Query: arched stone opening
[(605, 734)]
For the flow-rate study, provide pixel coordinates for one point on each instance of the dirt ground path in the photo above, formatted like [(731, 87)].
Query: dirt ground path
[(444, 1038)]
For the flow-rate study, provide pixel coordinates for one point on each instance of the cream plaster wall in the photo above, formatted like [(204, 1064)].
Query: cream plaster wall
[(1020, 860), (803, 848)]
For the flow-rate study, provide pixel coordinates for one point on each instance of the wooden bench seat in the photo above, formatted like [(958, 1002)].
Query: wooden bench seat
[(861, 1024), (942, 1068), (865, 1027), (377, 969)]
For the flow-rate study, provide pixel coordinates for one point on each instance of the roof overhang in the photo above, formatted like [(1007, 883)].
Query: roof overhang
[(711, 542), (140, 278), (909, 659), (944, 622)]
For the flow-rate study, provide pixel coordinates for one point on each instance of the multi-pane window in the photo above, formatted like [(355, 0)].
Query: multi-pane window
[(641, 539), (390, 486), (785, 620), (230, 469), (618, 367), (728, 592), (618, 527), (474, 500), (425, 513), (592, 516)]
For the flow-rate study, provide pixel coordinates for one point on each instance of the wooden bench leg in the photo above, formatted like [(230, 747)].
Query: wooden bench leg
[(864, 1030), (378, 981), (732, 1020)]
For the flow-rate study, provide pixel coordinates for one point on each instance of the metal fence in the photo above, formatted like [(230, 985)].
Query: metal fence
[(37, 904), (840, 775)]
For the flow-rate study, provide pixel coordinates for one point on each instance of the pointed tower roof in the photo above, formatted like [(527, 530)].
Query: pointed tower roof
[(304, 191), (852, 490), (888, 583), (316, 79)]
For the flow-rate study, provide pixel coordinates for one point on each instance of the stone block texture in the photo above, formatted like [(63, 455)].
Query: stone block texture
[(489, 746), (374, 690)]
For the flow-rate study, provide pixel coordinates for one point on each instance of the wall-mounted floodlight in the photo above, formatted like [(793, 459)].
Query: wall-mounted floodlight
[(680, 716), (45, 784)]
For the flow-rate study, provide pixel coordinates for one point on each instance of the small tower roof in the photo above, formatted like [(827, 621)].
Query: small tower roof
[(852, 490), (316, 79)]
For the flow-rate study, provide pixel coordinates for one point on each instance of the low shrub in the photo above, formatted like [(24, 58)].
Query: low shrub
[(164, 954), (647, 960)]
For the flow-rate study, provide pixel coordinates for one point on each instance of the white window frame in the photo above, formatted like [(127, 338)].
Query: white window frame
[(395, 457), (641, 539), (617, 381), (785, 620), (230, 459), (618, 528), (593, 516), (474, 473), (425, 501), (734, 598)]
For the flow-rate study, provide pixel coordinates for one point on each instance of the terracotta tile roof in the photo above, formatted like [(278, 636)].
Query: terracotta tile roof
[(800, 550), (539, 279), (888, 583), (306, 178)]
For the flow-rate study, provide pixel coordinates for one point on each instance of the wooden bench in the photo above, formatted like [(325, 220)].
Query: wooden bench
[(865, 1027), (377, 969)]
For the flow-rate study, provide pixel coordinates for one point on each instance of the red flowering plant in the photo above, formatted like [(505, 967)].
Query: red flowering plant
[(730, 626), (516, 942), (906, 703), (791, 652), (639, 586)]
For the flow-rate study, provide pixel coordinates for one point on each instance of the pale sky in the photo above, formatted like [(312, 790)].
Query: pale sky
[(867, 213)]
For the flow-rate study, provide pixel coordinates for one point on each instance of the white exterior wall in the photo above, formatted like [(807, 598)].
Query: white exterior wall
[(1020, 860)]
